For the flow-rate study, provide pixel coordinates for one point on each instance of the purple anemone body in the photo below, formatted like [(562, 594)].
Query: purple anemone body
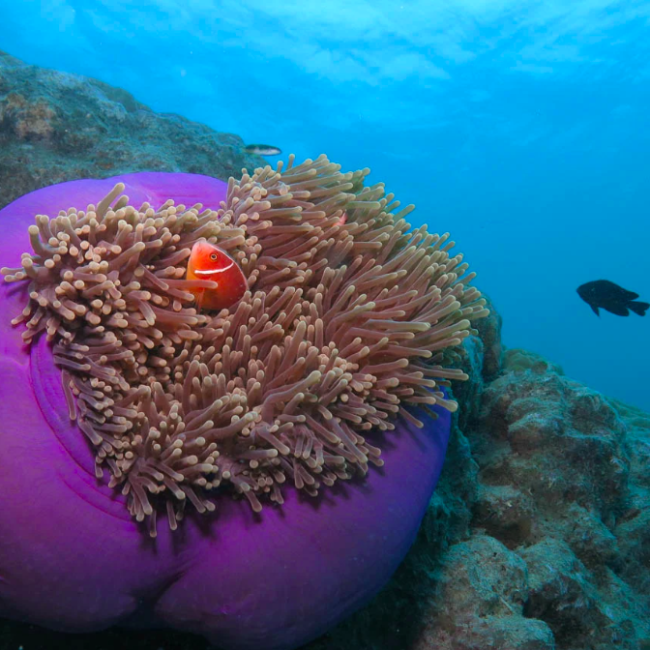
[(72, 558)]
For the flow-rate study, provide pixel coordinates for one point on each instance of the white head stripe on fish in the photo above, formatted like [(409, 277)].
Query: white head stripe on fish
[(212, 272)]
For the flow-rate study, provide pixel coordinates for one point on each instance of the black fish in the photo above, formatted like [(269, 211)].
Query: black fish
[(611, 297)]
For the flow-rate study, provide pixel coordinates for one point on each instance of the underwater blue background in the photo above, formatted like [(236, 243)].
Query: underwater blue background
[(521, 127)]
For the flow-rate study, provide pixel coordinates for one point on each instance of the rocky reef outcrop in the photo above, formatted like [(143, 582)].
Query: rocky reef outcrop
[(538, 536), (57, 127)]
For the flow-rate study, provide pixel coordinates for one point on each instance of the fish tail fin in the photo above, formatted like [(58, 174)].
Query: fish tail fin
[(639, 307)]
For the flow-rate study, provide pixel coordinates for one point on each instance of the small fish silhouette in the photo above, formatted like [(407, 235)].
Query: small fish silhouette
[(262, 149), (209, 262), (609, 296)]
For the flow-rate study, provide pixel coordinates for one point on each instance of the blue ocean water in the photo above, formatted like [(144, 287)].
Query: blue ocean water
[(522, 127)]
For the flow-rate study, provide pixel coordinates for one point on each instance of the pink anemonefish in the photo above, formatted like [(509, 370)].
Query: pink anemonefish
[(209, 262)]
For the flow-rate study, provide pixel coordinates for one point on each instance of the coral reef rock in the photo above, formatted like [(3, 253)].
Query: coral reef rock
[(57, 127), (538, 536)]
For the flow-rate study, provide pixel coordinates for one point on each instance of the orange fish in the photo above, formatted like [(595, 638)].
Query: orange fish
[(342, 219), (209, 262)]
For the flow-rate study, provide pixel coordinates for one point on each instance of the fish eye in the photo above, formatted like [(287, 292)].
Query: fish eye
[(213, 256)]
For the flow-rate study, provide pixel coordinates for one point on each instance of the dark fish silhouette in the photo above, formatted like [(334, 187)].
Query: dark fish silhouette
[(609, 296), (262, 149)]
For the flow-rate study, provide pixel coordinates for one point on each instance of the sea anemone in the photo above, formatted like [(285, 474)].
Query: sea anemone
[(344, 326), (342, 344)]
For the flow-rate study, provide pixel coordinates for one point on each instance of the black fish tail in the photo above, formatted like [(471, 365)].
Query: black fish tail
[(639, 307)]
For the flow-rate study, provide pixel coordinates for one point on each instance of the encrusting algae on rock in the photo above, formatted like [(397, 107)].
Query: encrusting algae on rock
[(345, 325)]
